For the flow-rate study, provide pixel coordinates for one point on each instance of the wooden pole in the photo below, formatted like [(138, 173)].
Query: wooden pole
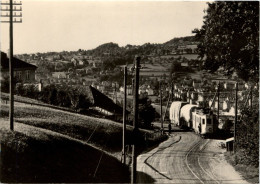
[(124, 113), (235, 124), (135, 122), (172, 92), (251, 98), (11, 93), (161, 119), (218, 100)]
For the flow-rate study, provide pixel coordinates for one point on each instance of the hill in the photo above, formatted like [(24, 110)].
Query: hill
[(52, 145), (34, 155), (180, 41)]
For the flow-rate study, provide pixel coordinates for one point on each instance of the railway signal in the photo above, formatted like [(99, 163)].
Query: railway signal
[(11, 7)]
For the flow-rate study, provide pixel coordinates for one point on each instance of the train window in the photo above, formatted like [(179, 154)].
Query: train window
[(203, 121), (209, 121)]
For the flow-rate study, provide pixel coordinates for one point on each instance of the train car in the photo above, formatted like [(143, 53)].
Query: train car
[(186, 115), (174, 113), (203, 121)]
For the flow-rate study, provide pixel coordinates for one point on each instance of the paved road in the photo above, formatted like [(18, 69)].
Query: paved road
[(185, 158)]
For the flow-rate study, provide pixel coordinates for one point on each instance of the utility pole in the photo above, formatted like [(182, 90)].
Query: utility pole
[(12, 13), (124, 113), (135, 122), (133, 87), (218, 100), (235, 124), (115, 94), (161, 118), (251, 97), (172, 92)]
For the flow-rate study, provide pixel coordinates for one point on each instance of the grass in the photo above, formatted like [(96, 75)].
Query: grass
[(51, 145), (102, 133), (249, 172), (30, 155)]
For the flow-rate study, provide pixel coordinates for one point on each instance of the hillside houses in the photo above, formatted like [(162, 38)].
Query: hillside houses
[(202, 93)]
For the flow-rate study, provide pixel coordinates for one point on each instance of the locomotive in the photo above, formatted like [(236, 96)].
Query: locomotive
[(201, 120)]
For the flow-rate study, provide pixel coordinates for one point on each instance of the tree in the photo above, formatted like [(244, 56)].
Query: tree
[(146, 111), (175, 67), (229, 38)]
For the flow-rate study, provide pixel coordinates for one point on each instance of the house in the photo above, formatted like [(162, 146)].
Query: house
[(150, 91), (193, 48), (23, 72), (77, 62), (196, 84), (95, 62), (129, 89), (59, 75)]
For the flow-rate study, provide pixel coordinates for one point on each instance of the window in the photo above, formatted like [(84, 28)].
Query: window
[(27, 74), (19, 74), (203, 121)]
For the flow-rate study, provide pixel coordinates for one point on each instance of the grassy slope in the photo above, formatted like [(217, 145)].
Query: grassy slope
[(102, 133), (34, 155), (250, 173), (40, 155)]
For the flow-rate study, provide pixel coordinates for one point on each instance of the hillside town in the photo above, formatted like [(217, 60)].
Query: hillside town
[(184, 110)]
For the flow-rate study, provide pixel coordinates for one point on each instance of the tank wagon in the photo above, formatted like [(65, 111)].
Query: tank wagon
[(186, 115), (174, 113)]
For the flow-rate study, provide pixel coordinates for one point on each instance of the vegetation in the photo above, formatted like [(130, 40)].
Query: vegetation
[(58, 96), (146, 112), (248, 137), (229, 38), (105, 134), (31, 155)]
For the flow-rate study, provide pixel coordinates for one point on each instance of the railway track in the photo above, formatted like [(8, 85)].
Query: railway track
[(186, 160), (192, 159)]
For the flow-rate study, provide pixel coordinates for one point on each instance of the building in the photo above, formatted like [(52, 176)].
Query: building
[(23, 72)]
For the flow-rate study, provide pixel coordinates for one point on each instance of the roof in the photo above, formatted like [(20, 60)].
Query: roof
[(17, 63), (104, 102), (230, 139)]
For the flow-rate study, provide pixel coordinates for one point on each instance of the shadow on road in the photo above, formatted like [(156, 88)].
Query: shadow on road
[(143, 177)]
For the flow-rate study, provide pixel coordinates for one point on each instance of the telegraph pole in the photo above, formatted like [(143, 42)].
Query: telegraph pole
[(235, 124), (218, 100), (172, 92), (12, 13), (251, 98), (135, 122), (161, 118), (124, 113)]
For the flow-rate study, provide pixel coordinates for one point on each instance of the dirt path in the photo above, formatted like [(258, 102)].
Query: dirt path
[(186, 158)]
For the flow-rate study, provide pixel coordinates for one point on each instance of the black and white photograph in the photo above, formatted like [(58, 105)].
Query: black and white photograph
[(129, 91)]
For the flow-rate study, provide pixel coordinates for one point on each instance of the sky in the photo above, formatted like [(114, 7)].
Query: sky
[(71, 25)]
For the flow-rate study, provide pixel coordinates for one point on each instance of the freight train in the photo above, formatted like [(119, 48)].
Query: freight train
[(201, 120)]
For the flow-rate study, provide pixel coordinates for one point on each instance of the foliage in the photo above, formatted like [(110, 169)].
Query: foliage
[(248, 137), (146, 111), (229, 38), (69, 97), (227, 125)]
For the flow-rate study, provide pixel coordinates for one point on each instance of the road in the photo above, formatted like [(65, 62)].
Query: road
[(186, 158)]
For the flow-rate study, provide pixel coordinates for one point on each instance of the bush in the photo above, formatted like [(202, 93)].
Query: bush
[(248, 137)]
